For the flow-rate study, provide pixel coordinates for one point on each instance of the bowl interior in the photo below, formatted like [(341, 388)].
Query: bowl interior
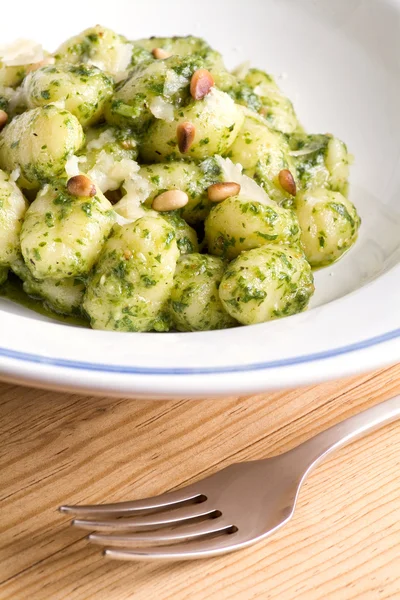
[(338, 61)]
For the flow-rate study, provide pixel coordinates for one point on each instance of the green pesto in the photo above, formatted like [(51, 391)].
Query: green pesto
[(12, 290), (83, 89), (130, 285), (194, 302), (168, 79), (39, 142), (239, 224), (273, 105), (329, 225), (73, 228), (206, 266), (267, 283), (320, 161)]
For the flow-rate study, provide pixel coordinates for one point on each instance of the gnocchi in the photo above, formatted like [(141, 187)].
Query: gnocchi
[(240, 223), (194, 302), (329, 225), (13, 206), (38, 144), (63, 296), (82, 89), (62, 235), (266, 283), (132, 281), (146, 187)]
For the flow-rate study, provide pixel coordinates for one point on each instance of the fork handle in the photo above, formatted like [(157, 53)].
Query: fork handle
[(319, 447)]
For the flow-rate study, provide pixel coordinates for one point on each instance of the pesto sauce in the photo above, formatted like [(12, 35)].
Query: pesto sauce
[(12, 290)]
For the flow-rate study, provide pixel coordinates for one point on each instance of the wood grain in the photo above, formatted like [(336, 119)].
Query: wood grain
[(344, 541)]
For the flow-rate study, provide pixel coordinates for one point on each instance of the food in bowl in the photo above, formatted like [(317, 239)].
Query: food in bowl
[(144, 187)]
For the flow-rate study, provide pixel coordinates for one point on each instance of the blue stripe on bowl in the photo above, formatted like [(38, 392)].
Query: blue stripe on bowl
[(295, 360)]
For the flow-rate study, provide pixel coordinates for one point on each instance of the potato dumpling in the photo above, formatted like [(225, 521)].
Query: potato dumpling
[(276, 108), (62, 235), (180, 45), (151, 91), (38, 143), (11, 76), (186, 237), (195, 304), (329, 224), (216, 120), (266, 283), (240, 223), (337, 161), (321, 161), (83, 89), (64, 296), (191, 178), (225, 81), (132, 281), (263, 153), (13, 206), (98, 46)]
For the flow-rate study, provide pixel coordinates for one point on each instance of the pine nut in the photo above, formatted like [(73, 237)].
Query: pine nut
[(81, 186), (160, 53), (186, 132), (127, 254), (3, 118), (287, 181), (201, 84), (171, 200), (221, 191)]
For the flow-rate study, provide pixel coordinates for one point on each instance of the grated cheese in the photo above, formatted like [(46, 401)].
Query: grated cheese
[(109, 175), (106, 137)]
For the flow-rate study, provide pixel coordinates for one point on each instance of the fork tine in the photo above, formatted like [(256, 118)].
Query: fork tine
[(186, 494), (183, 532), (204, 548), (159, 519)]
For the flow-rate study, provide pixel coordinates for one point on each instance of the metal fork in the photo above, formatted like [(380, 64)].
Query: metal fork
[(239, 506)]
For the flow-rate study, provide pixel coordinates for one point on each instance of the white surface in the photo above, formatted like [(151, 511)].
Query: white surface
[(342, 61)]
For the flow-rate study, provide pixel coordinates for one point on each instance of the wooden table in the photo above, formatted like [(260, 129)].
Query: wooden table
[(343, 543)]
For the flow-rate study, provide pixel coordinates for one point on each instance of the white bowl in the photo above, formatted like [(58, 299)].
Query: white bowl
[(339, 62)]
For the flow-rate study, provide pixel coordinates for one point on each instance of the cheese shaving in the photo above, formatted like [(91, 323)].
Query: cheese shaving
[(72, 165), (15, 174), (21, 52), (220, 103), (118, 61), (241, 70), (248, 187), (162, 109)]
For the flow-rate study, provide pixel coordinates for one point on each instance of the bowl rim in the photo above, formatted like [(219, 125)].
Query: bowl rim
[(156, 371)]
